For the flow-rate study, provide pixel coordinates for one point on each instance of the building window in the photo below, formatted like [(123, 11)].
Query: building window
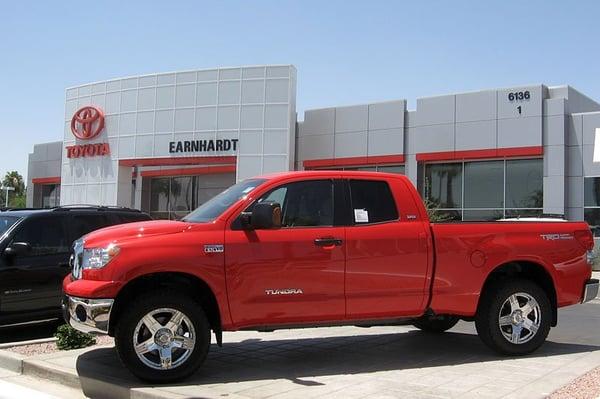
[(591, 203), (399, 169), (175, 197), (485, 190), (50, 195)]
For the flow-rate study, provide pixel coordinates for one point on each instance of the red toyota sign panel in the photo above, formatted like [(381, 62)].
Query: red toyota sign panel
[(87, 122)]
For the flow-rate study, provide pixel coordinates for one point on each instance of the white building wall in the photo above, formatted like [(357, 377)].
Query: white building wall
[(255, 105)]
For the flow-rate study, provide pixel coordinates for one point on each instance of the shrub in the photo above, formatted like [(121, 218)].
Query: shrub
[(70, 338), (433, 212)]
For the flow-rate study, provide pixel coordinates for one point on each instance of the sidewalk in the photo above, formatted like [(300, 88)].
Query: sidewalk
[(344, 362)]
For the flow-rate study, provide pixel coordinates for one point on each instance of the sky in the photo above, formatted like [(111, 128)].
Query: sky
[(346, 52)]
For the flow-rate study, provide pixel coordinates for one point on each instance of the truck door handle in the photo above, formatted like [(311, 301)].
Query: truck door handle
[(328, 242)]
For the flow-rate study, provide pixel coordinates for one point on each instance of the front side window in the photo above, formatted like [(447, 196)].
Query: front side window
[(214, 207), (6, 222), (303, 204), (46, 236), (372, 202)]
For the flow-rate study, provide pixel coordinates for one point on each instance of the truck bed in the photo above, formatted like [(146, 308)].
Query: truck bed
[(465, 253)]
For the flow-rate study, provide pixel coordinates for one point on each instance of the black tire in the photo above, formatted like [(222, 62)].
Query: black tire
[(141, 306), (494, 300), (437, 324)]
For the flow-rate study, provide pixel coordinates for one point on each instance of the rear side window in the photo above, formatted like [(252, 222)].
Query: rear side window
[(83, 224), (372, 202), (131, 217)]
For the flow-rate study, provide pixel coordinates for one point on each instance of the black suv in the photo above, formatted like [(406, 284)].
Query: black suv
[(35, 246)]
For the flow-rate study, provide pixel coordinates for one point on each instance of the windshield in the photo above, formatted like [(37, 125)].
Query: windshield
[(6, 222), (212, 208)]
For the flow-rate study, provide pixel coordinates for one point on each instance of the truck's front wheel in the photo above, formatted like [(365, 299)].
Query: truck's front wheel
[(514, 317), (163, 337)]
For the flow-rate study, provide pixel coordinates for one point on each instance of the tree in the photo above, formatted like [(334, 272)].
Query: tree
[(16, 198)]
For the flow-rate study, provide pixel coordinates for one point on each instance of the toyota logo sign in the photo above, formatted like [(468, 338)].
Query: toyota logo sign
[(87, 122)]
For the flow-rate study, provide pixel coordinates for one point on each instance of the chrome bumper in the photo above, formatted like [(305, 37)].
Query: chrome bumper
[(591, 290), (87, 315)]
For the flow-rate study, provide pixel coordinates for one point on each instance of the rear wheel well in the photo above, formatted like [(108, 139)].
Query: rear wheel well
[(185, 283), (527, 270)]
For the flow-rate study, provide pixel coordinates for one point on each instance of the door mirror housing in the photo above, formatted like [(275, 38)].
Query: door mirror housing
[(265, 215), (17, 248)]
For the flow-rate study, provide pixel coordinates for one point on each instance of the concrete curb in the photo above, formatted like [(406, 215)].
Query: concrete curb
[(11, 361), (30, 342), (105, 388)]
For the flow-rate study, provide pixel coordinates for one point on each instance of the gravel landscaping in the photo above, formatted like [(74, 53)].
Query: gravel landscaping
[(585, 387), (50, 347)]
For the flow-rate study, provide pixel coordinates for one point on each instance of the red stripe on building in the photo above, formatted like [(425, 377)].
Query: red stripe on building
[(178, 161), (353, 161), (481, 154), (46, 180), (189, 171)]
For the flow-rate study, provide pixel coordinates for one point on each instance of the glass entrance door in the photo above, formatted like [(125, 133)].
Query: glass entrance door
[(175, 197)]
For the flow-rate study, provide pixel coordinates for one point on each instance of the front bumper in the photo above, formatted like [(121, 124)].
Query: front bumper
[(590, 290), (87, 315)]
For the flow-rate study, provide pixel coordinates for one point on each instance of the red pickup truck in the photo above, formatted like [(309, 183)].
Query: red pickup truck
[(324, 248)]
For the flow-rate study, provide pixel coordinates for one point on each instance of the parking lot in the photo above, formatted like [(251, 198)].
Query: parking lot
[(350, 362)]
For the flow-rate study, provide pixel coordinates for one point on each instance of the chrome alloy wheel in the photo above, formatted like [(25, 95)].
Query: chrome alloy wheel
[(164, 338), (520, 317)]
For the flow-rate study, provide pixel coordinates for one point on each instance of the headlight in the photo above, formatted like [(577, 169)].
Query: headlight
[(96, 258), (590, 257)]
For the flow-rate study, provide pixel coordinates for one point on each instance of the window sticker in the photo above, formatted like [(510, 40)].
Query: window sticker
[(361, 216)]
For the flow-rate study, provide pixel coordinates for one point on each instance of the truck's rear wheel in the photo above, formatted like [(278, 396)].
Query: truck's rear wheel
[(435, 324), (163, 337), (514, 317)]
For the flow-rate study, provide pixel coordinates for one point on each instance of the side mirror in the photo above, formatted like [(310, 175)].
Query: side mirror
[(265, 215), (17, 248)]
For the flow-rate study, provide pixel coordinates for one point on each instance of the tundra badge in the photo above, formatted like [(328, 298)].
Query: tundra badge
[(284, 291), (213, 248)]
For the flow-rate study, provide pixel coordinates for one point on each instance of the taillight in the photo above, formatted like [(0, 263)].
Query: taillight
[(585, 238)]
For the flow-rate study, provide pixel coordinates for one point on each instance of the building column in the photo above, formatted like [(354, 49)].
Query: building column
[(124, 186), (554, 127), (137, 204), (411, 168)]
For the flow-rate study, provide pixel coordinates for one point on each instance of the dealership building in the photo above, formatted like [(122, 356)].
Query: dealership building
[(167, 142)]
